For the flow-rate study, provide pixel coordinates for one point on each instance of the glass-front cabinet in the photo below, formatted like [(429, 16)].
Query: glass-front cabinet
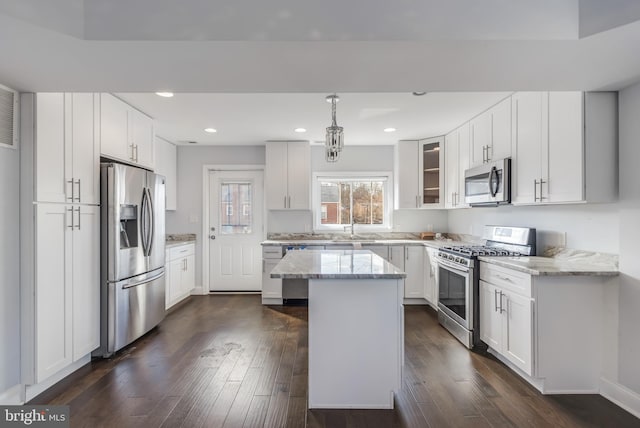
[(419, 166)]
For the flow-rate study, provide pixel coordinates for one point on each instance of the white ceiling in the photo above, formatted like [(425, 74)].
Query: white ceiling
[(292, 46), (255, 118)]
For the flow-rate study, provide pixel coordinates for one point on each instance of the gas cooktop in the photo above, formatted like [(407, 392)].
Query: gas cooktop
[(481, 250)]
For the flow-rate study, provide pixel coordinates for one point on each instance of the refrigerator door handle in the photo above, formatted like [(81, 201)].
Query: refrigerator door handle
[(143, 222), (144, 281), (151, 225)]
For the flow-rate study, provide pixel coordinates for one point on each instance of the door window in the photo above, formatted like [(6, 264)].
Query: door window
[(236, 207)]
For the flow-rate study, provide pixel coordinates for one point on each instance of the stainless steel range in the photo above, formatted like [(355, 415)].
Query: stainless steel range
[(459, 278)]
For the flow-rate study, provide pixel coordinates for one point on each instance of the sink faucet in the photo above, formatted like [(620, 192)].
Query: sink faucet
[(350, 226)]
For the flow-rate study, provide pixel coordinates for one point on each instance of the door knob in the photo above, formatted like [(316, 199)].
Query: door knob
[(212, 237)]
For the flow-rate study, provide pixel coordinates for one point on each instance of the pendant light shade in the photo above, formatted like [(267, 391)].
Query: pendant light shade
[(334, 140)]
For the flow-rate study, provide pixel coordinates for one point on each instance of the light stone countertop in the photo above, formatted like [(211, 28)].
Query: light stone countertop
[(560, 262), (335, 264), (365, 242), (175, 240)]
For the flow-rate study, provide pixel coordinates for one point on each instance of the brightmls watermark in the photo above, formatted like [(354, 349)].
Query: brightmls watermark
[(34, 416)]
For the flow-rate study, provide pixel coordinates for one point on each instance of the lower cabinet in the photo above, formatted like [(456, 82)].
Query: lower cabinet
[(61, 307), (414, 267), (506, 324), (431, 276), (180, 273)]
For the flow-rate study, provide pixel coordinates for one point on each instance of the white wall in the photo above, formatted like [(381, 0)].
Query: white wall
[(9, 269), (591, 227), (188, 217), (629, 308)]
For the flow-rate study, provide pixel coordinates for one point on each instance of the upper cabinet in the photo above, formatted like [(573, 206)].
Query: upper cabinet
[(564, 147), (420, 173), (456, 163), (491, 134), (126, 134), (166, 165), (288, 175), (65, 149)]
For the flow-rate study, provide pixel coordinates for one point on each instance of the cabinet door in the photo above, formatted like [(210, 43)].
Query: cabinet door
[(431, 180), (114, 134), (174, 280), (408, 172), (53, 161), (500, 131), (451, 168), (480, 138), (142, 136), (85, 149), (86, 280), (188, 282), (166, 165), (431, 276), (396, 256), (517, 334), (53, 289), (464, 142), (299, 175), (276, 175), (381, 250), (414, 267), (490, 316), (271, 287), (565, 156), (528, 138)]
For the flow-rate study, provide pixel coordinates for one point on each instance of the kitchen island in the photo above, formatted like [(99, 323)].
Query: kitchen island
[(356, 326)]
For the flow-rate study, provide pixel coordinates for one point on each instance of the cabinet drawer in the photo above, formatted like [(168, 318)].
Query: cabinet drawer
[(271, 252), (515, 281), (180, 251)]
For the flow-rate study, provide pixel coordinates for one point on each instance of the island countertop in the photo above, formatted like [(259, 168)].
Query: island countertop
[(335, 264)]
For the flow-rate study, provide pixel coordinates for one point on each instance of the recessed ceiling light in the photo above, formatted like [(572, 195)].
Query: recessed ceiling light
[(210, 130), (301, 130), (389, 129), (164, 94), (419, 93)]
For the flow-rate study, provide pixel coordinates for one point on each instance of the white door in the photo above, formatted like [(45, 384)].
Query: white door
[(114, 136), (235, 230)]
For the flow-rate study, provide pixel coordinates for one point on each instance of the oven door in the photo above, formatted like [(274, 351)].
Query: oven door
[(454, 293)]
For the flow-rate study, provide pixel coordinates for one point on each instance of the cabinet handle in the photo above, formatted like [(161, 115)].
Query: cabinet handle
[(78, 210), (72, 190), (131, 158), (495, 300), (72, 222), (504, 278), (501, 307), (136, 151), (535, 190), (79, 192), (406, 253), (285, 201), (542, 181)]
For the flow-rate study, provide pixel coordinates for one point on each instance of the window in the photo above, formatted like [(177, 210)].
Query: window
[(235, 207), (339, 200)]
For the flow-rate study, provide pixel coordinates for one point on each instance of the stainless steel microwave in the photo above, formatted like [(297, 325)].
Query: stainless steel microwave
[(488, 184)]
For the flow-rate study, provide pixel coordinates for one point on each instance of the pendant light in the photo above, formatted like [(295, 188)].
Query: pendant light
[(335, 134)]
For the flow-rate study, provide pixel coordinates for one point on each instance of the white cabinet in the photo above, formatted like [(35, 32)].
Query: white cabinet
[(66, 286), (491, 134), (66, 150), (166, 165), (563, 147), (179, 273), (126, 134), (419, 167), (414, 267), (381, 250), (271, 287), (431, 276), (506, 319), (288, 175), (456, 163)]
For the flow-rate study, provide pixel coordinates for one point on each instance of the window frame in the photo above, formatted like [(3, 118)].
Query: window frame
[(385, 176)]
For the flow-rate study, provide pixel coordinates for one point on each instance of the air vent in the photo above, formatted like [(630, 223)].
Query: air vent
[(8, 117)]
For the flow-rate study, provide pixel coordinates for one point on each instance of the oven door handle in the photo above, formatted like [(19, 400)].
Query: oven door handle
[(453, 267)]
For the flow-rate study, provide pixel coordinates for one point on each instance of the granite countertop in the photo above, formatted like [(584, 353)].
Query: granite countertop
[(389, 238), (335, 264), (175, 240), (560, 262)]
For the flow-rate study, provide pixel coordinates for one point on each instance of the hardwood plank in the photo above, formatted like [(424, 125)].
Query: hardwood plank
[(257, 411), (296, 412), (218, 413), (242, 401), (278, 405)]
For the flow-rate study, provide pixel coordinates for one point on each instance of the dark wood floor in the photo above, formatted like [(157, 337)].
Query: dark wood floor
[(227, 361)]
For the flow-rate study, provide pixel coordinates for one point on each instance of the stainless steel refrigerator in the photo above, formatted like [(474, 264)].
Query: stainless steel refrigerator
[(132, 254)]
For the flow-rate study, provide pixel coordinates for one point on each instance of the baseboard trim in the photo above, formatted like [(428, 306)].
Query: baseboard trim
[(621, 396), (32, 391), (12, 396)]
